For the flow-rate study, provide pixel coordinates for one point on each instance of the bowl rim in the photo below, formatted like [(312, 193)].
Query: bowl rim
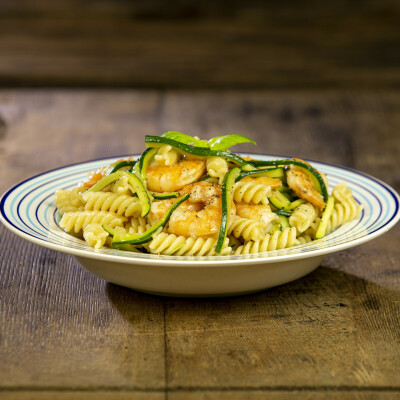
[(275, 256)]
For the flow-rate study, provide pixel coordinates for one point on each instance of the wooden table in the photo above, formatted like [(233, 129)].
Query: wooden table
[(66, 334), (197, 44)]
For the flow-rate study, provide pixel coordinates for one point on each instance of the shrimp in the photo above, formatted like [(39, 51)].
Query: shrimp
[(170, 178), (259, 212), (199, 216), (99, 174), (301, 183), (94, 177)]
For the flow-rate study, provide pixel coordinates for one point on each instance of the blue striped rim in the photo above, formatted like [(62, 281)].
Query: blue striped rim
[(28, 207)]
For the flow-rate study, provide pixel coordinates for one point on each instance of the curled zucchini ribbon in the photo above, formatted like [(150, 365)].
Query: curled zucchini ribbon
[(277, 173), (143, 163), (226, 197), (158, 141), (312, 172), (283, 213), (165, 195), (121, 164), (134, 181), (140, 238)]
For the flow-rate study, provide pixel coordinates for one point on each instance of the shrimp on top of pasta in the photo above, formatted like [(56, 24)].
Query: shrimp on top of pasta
[(189, 197)]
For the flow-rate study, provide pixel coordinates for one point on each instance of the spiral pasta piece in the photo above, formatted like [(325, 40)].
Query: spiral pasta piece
[(342, 193), (95, 235), (69, 200), (137, 225), (251, 192), (277, 241), (122, 186), (217, 167), (78, 220), (169, 244), (166, 155), (342, 213), (304, 238), (120, 204), (302, 217), (248, 229)]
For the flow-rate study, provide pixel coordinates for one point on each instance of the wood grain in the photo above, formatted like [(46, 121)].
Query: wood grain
[(94, 342), (200, 44), (207, 395), (76, 395), (66, 334), (283, 395)]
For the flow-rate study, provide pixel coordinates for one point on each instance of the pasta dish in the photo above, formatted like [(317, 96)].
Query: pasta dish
[(188, 197)]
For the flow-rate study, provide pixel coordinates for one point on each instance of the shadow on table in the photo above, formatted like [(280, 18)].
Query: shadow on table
[(328, 328), (324, 289)]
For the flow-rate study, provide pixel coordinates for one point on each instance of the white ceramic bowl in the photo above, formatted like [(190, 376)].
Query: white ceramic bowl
[(28, 210)]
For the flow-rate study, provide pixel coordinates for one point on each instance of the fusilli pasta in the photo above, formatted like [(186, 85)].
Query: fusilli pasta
[(196, 198), (95, 235), (248, 229), (166, 155), (69, 200), (120, 204), (277, 241), (217, 167), (169, 244), (251, 192), (302, 217), (78, 220), (137, 225)]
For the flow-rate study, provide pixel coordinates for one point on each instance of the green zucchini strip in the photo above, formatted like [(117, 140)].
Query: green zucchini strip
[(226, 199), (143, 163), (141, 190), (133, 180), (164, 195), (276, 226), (109, 230), (322, 187), (282, 212), (101, 184), (283, 220), (279, 200), (122, 164), (125, 247), (128, 247), (277, 173), (295, 204), (326, 215), (248, 167), (139, 238), (158, 141)]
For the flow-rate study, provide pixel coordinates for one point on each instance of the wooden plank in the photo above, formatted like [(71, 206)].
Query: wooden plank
[(318, 331), (62, 327), (76, 395), (358, 131), (283, 395), (64, 331), (44, 130), (202, 395), (119, 44), (197, 10), (59, 325), (336, 327)]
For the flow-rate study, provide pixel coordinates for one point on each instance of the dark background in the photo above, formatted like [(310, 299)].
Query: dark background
[(256, 44)]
